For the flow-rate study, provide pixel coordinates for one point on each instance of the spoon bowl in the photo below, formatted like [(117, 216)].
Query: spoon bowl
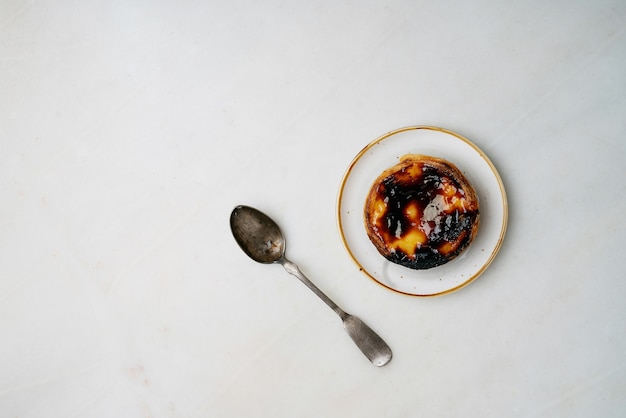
[(257, 235), (262, 240)]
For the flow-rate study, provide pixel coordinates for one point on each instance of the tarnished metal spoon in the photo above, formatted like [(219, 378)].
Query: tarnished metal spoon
[(261, 238)]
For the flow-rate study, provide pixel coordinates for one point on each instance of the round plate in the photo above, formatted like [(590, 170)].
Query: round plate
[(384, 153)]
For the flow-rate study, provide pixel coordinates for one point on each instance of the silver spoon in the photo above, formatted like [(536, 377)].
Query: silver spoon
[(261, 238)]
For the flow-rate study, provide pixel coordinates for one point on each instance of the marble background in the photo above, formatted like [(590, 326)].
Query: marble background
[(130, 129)]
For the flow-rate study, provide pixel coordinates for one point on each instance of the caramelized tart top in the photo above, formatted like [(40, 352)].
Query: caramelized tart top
[(422, 212)]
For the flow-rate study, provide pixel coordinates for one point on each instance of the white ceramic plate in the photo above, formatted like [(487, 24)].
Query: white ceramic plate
[(384, 153)]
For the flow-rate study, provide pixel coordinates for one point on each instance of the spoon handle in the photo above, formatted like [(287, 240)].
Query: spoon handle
[(375, 348), (371, 344), (293, 269)]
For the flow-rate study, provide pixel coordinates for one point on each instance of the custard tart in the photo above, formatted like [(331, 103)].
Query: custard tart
[(422, 212)]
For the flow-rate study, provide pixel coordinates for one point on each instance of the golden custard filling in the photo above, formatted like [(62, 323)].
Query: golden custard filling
[(422, 212)]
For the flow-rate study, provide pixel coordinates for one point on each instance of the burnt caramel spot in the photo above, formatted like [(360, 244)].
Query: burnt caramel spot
[(422, 212)]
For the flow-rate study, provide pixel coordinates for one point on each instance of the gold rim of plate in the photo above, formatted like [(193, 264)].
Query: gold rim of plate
[(505, 215)]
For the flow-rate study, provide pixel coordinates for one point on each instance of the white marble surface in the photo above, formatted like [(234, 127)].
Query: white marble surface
[(130, 129)]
